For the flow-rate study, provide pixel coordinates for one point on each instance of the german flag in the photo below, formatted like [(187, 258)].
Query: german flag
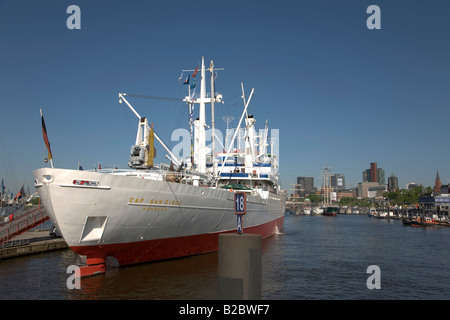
[(44, 132)]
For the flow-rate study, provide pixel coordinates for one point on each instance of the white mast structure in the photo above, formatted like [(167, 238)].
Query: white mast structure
[(213, 133), (230, 146), (200, 125)]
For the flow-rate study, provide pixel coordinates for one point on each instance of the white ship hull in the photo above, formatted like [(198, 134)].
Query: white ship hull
[(137, 219)]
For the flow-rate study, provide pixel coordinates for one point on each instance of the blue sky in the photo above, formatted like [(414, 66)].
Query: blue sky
[(340, 94)]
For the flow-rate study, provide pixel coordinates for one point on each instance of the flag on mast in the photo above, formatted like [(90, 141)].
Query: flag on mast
[(21, 194), (187, 79), (44, 132), (193, 85)]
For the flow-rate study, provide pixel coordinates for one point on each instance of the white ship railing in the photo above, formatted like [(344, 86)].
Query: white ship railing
[(160, 173)]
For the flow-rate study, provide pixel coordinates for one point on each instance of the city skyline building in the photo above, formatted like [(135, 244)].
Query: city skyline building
[(363, 188), (304, 186), (337, 181), (392, 183), (374, 174)]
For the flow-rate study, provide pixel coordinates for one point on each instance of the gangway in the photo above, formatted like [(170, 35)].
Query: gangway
[(22, 224)]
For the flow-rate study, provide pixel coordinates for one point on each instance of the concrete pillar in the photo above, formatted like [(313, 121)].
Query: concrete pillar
[(240, 266)]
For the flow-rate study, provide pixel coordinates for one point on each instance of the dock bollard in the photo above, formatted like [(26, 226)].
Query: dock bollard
[(240, 266)]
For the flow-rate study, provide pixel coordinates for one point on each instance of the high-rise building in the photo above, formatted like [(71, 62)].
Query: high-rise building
[(392, 183), (366, 175), (305, 185), (337, 181), (380, 176), (374, 174)]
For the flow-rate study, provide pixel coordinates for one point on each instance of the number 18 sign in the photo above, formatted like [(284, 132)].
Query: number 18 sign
[(240, 208), (240, 203)]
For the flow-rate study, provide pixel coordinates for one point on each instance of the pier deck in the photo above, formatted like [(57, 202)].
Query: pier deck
[(31, 242)]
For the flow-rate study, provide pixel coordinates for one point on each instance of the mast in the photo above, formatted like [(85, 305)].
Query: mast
[(201, 134), (227, 119), (236, 132), (213, 135), (263, 146), (200, 124), (326, 186), (249, 141)]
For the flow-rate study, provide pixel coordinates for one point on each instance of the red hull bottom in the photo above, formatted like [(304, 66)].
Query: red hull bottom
[(160, 249)]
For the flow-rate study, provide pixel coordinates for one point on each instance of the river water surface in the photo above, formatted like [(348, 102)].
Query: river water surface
[(314, 257)]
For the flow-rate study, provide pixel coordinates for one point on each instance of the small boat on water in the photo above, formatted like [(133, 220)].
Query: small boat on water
[(331, 211), (317, 210), (443, 224), (302, 211), (424, 222), (381, 215), (417, 223), (372, 212), (406, 222)]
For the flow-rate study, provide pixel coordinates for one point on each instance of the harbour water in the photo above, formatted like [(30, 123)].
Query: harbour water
[(314, 257)]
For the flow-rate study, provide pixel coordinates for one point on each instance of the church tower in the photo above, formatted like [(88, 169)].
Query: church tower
[(437, 184)]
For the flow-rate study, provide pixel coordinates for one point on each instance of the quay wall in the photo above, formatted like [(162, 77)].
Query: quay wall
[(16, 248)]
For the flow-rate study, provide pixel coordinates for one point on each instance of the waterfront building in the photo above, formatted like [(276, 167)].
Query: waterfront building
[(445, 190), (337, 181), (304, 186), (363, 188), (349, 193), (412, 185), (374, 174), (376, 191), (435, 205), (392, 183)]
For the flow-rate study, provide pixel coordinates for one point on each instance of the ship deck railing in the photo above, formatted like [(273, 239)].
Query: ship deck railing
[(156, 173), (187, 176)]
